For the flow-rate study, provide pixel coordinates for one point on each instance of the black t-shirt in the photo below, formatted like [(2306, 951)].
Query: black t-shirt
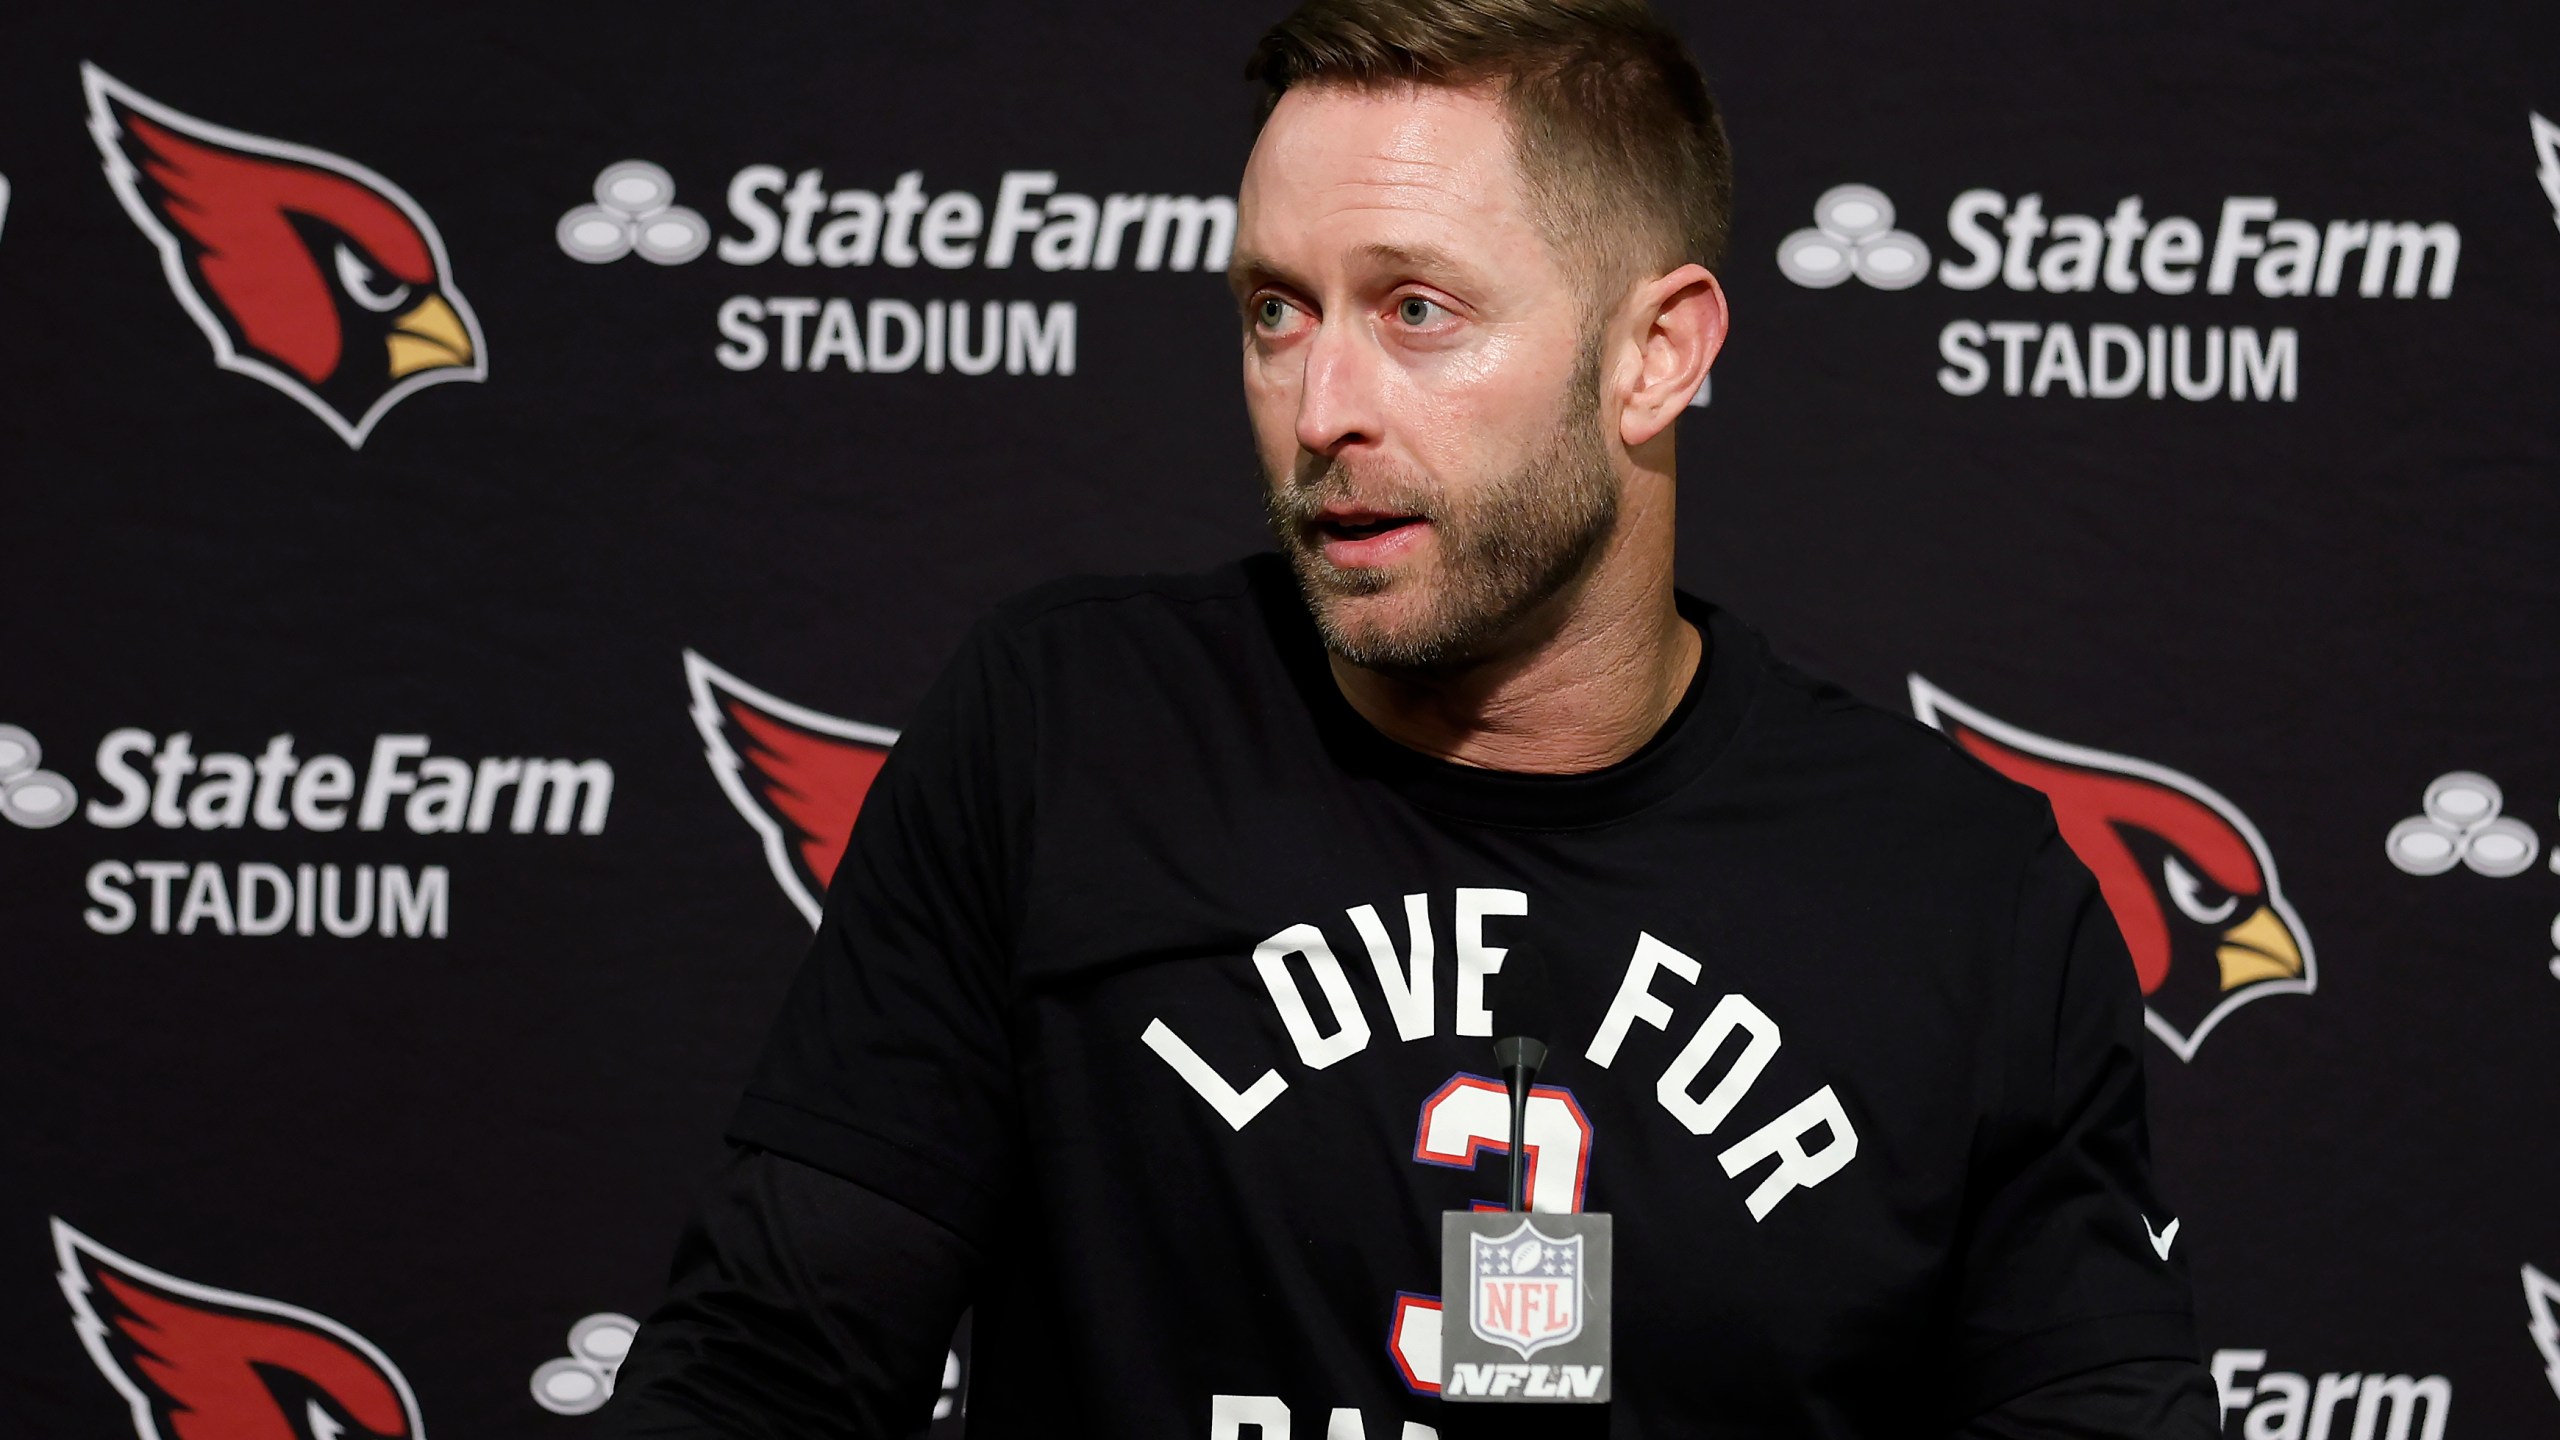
[(1159, 975)]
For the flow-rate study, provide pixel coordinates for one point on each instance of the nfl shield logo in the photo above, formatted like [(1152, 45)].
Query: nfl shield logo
[(1527, 1289)]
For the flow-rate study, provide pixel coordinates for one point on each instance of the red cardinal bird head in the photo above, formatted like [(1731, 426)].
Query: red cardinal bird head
[(196, 1363), (797, 775), (2190, 883), (304, 269)]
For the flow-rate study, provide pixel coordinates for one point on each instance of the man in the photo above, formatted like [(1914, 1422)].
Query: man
[(1149, 1013)]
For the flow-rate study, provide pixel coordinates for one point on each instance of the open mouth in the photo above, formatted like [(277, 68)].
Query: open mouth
[(1361, 525)]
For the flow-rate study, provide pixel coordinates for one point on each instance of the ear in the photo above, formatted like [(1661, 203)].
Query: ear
[(1681, 317)]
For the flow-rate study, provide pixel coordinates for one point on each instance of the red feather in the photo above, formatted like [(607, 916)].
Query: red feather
[(814, 782), (799, 776), (196, 1363), (235, 209)]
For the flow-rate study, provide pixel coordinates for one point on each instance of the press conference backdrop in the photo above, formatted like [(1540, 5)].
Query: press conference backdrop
[(484, 486)]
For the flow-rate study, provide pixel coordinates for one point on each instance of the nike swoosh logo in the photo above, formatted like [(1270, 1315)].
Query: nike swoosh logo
[(2161, 1240)]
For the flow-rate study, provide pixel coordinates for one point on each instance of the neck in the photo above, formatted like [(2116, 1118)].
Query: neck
[(1584, 682)]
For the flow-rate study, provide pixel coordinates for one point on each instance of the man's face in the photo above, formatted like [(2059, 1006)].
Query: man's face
[(1421, 375)]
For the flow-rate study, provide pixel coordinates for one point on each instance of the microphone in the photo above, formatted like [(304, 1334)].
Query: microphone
[(1522, 1004), (1514, 1284)]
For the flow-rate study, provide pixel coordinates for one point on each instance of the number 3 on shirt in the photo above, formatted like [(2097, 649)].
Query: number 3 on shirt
[(1460, 1121)]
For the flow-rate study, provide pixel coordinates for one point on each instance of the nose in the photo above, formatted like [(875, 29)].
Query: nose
[(1338, 397)]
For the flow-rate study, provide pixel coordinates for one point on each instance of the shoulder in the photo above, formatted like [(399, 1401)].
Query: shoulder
[(1888, 772), (1115, 641)]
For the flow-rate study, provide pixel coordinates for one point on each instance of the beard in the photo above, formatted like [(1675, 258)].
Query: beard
[(1505, 544)]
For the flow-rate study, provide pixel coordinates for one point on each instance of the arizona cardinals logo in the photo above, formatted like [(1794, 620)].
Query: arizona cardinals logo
[(304, 269), (2190, 883), (796, 775), (196, 1363)]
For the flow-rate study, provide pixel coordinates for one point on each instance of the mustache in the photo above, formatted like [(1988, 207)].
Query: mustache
[(1318, 482)]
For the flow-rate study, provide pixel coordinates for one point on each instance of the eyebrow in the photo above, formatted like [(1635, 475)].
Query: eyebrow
[(1247, 271), (1428, 258)]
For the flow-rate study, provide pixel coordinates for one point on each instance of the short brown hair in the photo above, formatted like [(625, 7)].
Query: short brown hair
[(1617, 139)]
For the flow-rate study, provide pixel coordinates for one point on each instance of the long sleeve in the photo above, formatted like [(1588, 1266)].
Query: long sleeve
[(801, 1305), (2132, 1400)]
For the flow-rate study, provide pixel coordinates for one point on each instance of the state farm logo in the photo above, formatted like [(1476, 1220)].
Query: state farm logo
[(162, 782), (196, 1363), (579, 1382), (800, 221), (2186, 875), (30, 795), (1994, 239), (304, 269), (796, 775), (2461, 824), (1853, 234), (634, 211)]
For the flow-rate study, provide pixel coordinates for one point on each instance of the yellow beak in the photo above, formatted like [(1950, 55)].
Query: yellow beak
[(2258, 948), (428, 337)]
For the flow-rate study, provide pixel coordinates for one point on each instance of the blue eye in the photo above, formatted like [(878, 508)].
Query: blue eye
[(1414, 310)]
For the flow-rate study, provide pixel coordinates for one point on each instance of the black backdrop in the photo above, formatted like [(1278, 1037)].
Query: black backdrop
[(2313, 599)]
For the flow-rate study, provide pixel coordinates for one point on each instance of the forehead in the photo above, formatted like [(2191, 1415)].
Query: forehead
[(1418, 163)]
